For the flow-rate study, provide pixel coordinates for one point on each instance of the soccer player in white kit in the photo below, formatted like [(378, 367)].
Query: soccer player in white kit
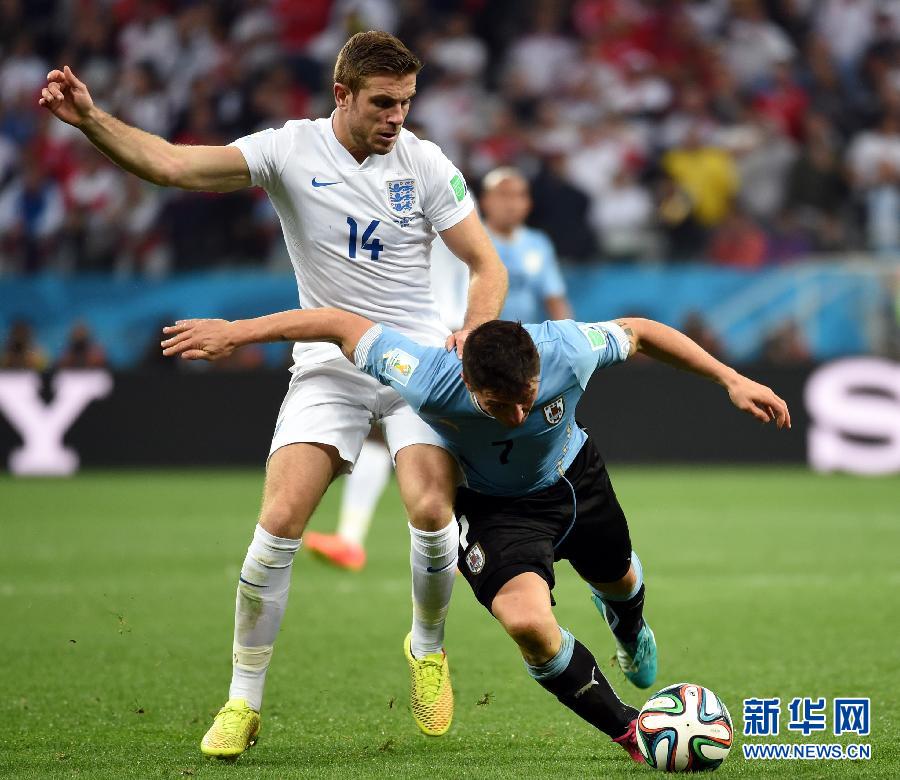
[(359, 199)]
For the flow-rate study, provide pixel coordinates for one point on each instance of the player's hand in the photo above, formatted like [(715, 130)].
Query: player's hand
[(199, 339), (457, 341), (758, 400), (66, 97)]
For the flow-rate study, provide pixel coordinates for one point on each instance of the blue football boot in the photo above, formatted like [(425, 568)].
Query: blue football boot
[(637, 659)]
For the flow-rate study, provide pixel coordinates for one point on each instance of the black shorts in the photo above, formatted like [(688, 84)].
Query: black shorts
[(577, 519)]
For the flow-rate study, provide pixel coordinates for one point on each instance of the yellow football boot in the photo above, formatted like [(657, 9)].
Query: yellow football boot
[(431, 697), (235, 728)]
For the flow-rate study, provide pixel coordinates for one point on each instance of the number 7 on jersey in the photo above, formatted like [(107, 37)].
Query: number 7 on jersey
[(373, 247)]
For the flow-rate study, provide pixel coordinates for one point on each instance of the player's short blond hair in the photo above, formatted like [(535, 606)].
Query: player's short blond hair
[(370, 53)]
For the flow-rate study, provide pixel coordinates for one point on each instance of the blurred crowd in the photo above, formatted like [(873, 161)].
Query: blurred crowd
[(741, 132)]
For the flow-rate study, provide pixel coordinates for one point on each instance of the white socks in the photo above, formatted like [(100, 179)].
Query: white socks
[(264, 584), (362, 489), (432, 558), (262, 595)]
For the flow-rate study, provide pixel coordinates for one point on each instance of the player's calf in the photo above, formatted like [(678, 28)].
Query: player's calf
[(553, 657), (623, 611), (537, 638), (262, 594), (622, 602), (574, 677)]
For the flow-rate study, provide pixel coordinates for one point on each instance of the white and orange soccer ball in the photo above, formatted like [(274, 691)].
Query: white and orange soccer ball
[(684, 728)]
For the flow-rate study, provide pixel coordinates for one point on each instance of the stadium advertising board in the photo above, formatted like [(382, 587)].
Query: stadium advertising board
[(846, 417), (42, 424), (854, 406)]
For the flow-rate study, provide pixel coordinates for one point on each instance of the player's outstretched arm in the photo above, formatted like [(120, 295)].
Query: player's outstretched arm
[(209, 168), (488, 280), (672, 346), (210, 339)]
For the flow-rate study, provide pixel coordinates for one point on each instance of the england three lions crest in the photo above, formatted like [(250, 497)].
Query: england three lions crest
[(402, 195), (554, 411)]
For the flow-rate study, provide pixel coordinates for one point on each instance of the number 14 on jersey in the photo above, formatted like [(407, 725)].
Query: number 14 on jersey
[(371, 245)]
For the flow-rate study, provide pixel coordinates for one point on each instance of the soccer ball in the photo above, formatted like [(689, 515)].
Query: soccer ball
[(684, 728)]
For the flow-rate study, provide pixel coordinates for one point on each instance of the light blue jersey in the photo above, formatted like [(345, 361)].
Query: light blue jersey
[(534, 275), (498, 460)]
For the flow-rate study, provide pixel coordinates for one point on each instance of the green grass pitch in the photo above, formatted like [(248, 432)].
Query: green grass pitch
[(117, 595)]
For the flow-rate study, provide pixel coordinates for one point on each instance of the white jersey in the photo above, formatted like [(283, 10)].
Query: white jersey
[(359, 235)]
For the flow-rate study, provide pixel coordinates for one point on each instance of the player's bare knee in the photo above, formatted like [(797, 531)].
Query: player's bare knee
[(282, 519), (626, 583), (536, 645), (522, 627), (534, 634), (297, 477), (620, 587), (430, 513)]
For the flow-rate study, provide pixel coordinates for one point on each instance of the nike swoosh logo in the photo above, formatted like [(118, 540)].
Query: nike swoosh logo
[(435, 571), (324, 183)]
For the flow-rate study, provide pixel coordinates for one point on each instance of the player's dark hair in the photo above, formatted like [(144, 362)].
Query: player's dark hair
[(500, 356), (370, 53)]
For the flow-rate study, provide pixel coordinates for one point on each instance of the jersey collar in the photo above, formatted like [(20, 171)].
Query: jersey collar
[(346, 161), (477, 405), (498, 239)]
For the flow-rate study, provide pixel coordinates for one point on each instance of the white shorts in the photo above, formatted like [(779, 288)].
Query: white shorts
[(335, 403)]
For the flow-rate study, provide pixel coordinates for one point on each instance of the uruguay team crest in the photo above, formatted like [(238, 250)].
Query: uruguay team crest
[(554, 411), (402, 195), (475, 558)]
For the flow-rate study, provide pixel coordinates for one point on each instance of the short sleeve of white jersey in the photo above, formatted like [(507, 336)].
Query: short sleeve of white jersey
[(446, 200), (266, 153), (593, 345)]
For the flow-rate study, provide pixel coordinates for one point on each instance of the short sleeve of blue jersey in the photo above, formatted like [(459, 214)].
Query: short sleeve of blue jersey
[(417, 372), (591, 345)]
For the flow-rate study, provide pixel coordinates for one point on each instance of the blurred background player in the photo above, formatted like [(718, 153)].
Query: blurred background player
[(537, 292)]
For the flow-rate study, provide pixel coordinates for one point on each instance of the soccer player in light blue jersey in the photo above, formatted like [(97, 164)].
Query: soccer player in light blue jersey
[(537, 291), (536, 490)]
